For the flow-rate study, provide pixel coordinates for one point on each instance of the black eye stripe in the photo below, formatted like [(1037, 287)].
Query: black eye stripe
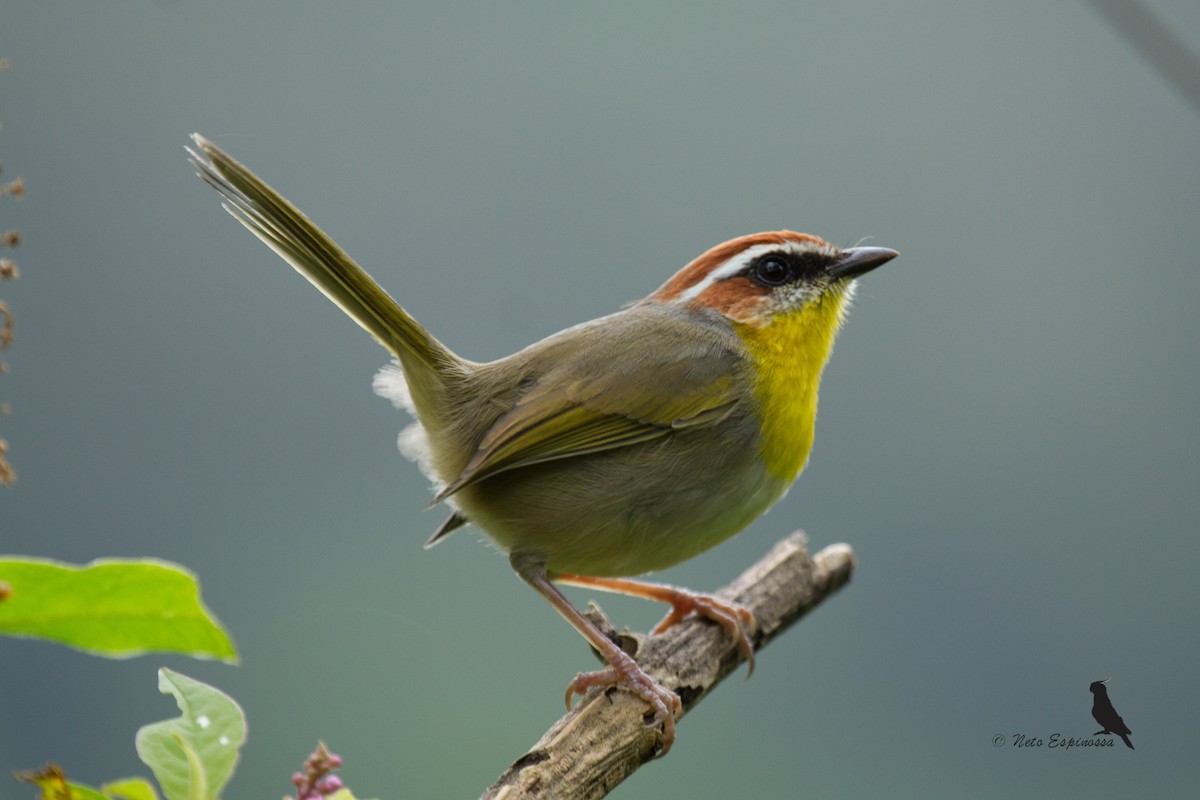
[(781, 268)]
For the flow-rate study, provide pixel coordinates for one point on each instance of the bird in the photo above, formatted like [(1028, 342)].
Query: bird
[(1104, 713), (616, 447)]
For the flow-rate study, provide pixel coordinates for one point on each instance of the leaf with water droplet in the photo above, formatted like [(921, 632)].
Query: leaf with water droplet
[(193, 756)]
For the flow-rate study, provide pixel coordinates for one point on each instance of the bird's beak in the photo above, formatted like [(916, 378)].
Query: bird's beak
[(859, 260)]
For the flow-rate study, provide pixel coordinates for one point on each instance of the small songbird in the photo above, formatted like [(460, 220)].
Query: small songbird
[(1104, 713), (618, 446)]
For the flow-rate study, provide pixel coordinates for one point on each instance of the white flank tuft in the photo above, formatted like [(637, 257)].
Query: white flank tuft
[(389, 383), (413, 442), (414, 445)]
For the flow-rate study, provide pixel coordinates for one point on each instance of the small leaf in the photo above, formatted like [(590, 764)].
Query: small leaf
[(130, 789), (81, 792), (53, 783), (51, 780), (112, 608), (193, 755)]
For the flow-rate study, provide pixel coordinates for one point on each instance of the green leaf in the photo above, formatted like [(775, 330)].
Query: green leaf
[(53, 783), (130, 789), (81, 792), (193, 755), (110, 607)]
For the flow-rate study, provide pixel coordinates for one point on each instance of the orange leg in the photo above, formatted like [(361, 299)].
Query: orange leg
[(622, 669), (730, 616)]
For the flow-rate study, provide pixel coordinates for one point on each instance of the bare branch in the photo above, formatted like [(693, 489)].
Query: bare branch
[(603, 740)]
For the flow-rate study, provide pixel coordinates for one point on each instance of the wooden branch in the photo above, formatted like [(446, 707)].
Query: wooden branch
[(604, 739)]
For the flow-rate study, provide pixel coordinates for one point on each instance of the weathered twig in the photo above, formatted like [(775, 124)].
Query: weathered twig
[(604, 739)]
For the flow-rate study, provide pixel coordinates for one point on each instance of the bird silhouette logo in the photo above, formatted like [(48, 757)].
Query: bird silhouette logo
[(1106, 715)]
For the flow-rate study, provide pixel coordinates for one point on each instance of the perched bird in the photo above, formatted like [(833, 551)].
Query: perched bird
[(618, 446), (1106, 715)]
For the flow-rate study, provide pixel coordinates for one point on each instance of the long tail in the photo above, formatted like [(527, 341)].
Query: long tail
[(265, 213)]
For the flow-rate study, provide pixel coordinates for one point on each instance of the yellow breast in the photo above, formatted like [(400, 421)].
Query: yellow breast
[(789, 352)]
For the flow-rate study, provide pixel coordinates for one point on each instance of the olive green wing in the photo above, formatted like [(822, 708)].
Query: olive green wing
[(633, 400)]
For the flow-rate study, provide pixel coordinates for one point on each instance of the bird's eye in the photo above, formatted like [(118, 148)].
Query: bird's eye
[(772, 271)]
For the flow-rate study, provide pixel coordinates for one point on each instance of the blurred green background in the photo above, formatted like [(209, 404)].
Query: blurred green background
[(1007, 435)]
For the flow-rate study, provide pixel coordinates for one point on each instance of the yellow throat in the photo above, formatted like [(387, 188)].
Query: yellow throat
[(789, 352)]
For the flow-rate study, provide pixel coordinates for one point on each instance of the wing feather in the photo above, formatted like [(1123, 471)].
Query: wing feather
[(632, 398)]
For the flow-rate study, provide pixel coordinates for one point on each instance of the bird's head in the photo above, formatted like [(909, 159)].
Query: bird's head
[(759, 278), (1098, 687), (785, 295)]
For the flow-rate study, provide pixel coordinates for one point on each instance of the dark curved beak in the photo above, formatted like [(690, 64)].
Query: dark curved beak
[(860, 260)]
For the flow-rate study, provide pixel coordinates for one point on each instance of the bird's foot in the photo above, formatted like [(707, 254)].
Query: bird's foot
[(664, 702), (735, 619), (732, 617)]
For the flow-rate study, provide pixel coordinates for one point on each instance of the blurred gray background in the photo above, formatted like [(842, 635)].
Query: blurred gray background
[(1007, 433)]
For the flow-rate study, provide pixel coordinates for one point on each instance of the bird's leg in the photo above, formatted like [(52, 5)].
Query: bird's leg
[(730, 616), (622, 668)]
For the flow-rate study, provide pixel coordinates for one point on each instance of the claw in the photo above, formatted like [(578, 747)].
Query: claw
[(586, 680), (665, 703)]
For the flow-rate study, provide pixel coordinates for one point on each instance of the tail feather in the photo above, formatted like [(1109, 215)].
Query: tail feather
[(287, 231)]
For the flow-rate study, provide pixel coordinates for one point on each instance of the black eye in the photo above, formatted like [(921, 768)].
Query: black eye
[(772, 271)]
